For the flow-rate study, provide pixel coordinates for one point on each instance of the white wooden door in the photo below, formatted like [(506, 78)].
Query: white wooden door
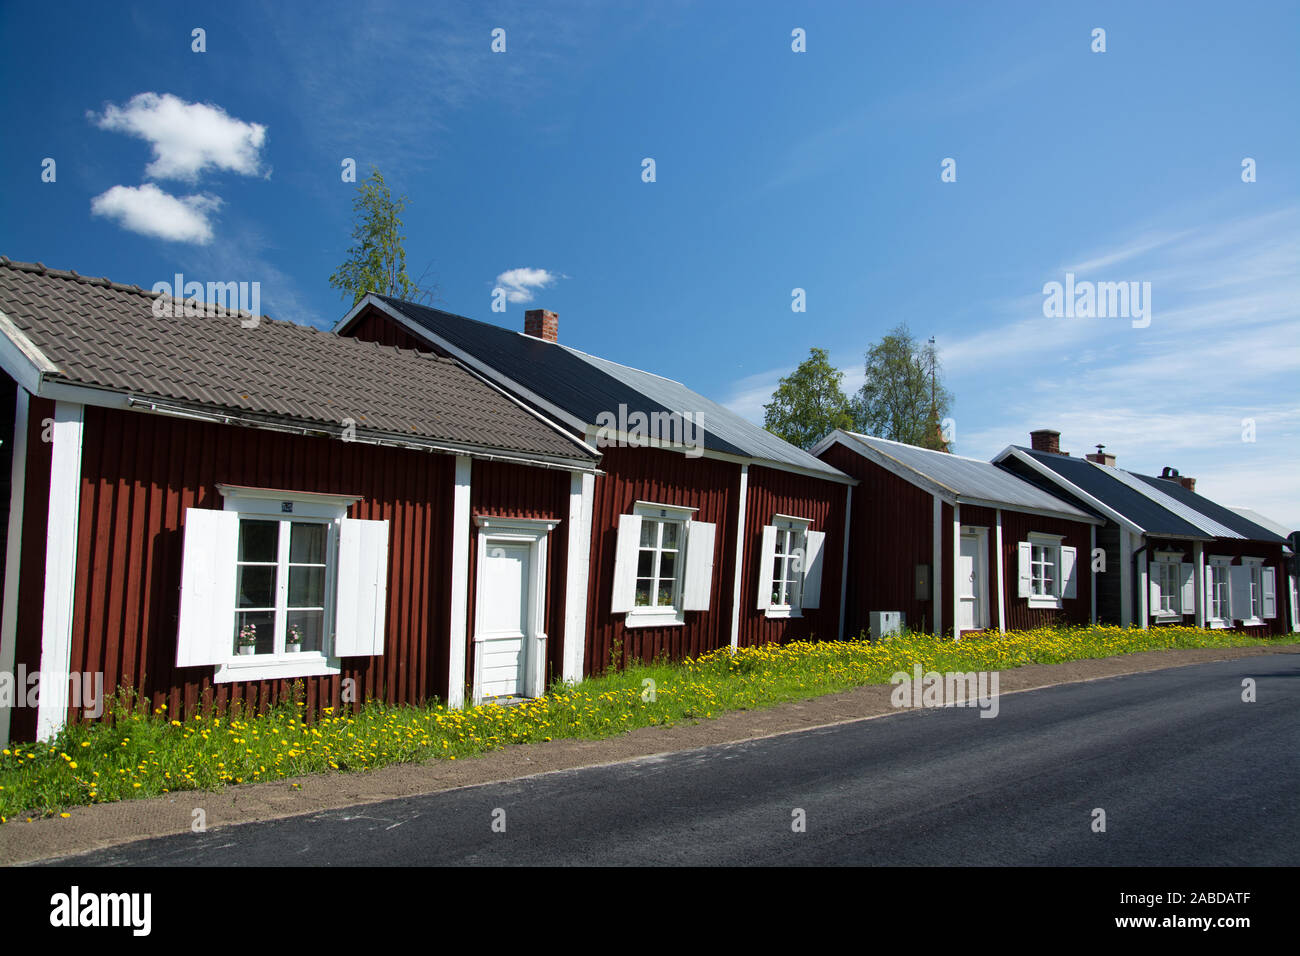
[(503, 601), (970, 615)]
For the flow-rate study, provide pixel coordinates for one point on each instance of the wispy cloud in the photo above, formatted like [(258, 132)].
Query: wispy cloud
[(187, 138), (150, 211), (521, 284)]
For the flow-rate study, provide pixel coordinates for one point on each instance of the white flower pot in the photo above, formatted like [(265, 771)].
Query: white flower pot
[(248, 649), (293, 648)]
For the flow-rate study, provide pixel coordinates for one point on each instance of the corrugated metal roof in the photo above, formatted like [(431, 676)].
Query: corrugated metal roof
[(106, 335), (1132, 503), (585, 387), (1242, 527), (968, 478), (1265, 522), (756, 442), (1161, 497)]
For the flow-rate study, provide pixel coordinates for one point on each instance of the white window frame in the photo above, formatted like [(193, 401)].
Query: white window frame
[(1218, 563), (286, 506), (1052, 543), (1256, 618), (663, 615), (1167, 564), (794, 530)]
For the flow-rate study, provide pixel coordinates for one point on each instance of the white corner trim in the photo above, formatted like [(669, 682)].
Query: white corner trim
[(60, 568), (13, 549), (737, 583), (956, 557), (844, 566), (1092, 575), (581, 492), (1002, 583), (460, 544), (19, 356)]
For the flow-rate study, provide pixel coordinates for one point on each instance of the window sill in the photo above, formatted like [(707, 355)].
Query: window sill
[(1052, 603), (1217, 623), (1253, 622), (653, 619), (276, 667), (782, 612), (1167, 618)]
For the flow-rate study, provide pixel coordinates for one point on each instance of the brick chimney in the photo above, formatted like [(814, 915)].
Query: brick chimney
[(1046, 440), (542, 325), (1171, 474), (1101, 456)]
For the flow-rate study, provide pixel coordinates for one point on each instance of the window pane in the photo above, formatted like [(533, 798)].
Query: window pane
[(648, 531), (261, 625), (308, 623), (256, 586), (307, 543), (306, 587), (671, 529), (643, 588), (666, 588), (780, 542), (668, 564), (645, 564), (259, 540)]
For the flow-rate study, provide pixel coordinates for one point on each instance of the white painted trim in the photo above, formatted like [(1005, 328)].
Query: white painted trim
[(741, 512), (844, 567), (1198, 560), (1092, 575), (575, 585), (1002, 583), (20, 357), (13, 549), (532, 533), (237, 493), (60, 568), (460, 544), (936, 572), (647, 509), (956, 556)]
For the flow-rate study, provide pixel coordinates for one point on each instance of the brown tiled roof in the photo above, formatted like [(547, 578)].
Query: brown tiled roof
[(104, 334)]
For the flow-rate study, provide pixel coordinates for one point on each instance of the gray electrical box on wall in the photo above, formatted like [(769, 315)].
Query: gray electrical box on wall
[(880, 623), (922, 582)]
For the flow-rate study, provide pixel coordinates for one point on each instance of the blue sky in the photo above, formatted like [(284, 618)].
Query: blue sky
[(775, 170)]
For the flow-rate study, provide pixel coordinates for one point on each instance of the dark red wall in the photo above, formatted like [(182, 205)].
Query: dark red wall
[(1015, 528), (779, 492), (373, 326)]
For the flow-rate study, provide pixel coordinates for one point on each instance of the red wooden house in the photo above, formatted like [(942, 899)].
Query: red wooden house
[(957, 544), (702, 529), (206, 505)]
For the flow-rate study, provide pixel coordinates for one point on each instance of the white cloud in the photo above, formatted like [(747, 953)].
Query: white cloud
[(521, 284), (151, 212), (187, 138)]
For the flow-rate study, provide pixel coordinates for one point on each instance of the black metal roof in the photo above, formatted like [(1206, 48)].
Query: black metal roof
[(1132, 504), (1237, 522)]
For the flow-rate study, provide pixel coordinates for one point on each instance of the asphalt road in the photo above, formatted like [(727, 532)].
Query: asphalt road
[(1186, 772)]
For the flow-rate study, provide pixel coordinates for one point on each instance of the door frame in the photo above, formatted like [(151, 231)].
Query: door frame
[(981, 535), (532, 532)]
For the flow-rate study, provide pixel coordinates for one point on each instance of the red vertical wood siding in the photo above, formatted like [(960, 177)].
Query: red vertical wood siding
[(890, 533), (504, 490), (648, 474), (374, 326), (139, 474), (772, 492), (1016, 527), (31, 574)]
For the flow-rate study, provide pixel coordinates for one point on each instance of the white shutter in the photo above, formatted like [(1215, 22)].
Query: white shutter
[(1069, 572), (1239, 592), (625, 558), (1024, 585), (206, 634), (1153, 588), (1188, 580), (1268, 582), (361, 605), (766, 562), (812, 569), (699, 566)]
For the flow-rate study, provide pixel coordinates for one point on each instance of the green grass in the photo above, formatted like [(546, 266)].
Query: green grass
[(137, 754)]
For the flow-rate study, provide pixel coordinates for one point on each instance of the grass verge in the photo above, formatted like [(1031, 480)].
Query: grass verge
[(139, 754)]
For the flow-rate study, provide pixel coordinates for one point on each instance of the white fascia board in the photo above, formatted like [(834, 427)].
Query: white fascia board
[(1013, 452), (20, 358)]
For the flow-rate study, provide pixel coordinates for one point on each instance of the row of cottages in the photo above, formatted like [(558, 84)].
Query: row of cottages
[(957, 544), (205, 507), (703, 530), (1172, 556)]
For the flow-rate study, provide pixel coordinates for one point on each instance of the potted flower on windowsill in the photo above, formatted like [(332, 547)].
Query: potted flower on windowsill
[(248, 639), (293, 642)]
